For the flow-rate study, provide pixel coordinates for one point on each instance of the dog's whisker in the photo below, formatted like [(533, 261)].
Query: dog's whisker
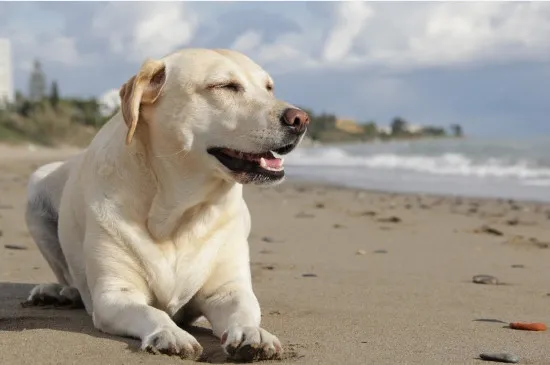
[(173, 154)]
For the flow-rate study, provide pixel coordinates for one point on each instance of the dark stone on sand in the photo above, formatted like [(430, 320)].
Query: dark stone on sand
[(15, 247), (485, 279), (1, 233), (537, 243), (490, 230), (390, 220), (512, 222), (380, 251), (518, 266), (500, 357), (268, 239), (368, 213), (268, 267), (319, 205), (309, 275), (337, 225)]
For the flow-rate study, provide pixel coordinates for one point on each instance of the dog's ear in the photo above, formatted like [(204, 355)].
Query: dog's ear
[(143, 88)]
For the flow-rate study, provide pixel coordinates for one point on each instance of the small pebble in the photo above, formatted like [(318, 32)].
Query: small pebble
[(337, 225), (518, 266), (268, 239), (489, 230), (500, 357), (390, 220), (15, 247), (309, 275), (380, 251), (319, 205), (368, 213), (361, 252), (485, 279), (268, 267)]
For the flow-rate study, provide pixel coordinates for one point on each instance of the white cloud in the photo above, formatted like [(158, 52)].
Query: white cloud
[(55, 47), (351, 20), (247, 41), (414, 35), (145, 29)]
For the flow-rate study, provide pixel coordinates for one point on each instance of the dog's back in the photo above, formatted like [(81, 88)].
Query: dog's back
[(44, 192)]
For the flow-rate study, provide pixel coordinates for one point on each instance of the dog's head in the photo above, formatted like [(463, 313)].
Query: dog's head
[(217, 106)]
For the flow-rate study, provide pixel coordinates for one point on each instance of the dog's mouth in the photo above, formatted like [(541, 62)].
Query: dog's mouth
[(260, 167)]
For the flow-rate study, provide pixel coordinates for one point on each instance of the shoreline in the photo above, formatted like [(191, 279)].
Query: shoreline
[(481, 198), (39, 153)]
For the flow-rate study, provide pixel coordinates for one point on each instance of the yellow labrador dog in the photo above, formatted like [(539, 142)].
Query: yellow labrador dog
[(147, 228)]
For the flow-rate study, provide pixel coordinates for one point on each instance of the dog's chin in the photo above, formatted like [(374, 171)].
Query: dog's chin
[(263, 168)]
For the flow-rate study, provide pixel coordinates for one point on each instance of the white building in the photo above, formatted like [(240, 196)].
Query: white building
[(6, 72)]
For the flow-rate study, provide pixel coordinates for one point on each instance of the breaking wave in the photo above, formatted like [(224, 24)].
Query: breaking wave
[(444, 164)]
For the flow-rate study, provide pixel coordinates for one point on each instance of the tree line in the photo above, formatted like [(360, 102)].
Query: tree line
[(324, 128), (44, 116)]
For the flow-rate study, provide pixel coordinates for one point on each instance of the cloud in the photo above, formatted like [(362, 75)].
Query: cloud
[(478, 64), (350, 22), (410, 36), (144, 29)]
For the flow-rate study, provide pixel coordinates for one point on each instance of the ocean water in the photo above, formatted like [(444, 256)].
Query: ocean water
[(517, 169)]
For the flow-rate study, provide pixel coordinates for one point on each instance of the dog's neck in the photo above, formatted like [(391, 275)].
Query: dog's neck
[(184, 191)]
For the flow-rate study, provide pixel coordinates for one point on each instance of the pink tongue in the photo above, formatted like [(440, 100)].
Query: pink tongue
[(274, 163)]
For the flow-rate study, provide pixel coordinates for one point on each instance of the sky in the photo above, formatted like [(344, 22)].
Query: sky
[(484, 65)]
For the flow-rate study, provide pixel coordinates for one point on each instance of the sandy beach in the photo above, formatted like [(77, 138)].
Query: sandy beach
[(343, 277)]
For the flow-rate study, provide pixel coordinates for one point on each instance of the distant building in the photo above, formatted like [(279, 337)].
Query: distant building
[(384, 129), (6, 72), (349, 126), (414, 128)]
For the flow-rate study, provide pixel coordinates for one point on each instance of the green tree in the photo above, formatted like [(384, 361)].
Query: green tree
[(457, 130), (433, 131), (37, 82), (370, 130), (54, 94), (398, 126)]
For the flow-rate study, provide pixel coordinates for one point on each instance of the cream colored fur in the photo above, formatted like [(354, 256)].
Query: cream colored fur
[(152, 233)]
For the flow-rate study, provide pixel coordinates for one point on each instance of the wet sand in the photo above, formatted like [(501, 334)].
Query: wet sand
[(343, 277)]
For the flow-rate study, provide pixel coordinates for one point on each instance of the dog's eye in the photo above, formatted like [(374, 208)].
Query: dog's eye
[(269, 87), (233, 86)]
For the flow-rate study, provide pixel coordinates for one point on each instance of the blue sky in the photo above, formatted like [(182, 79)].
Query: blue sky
[(485, 65)]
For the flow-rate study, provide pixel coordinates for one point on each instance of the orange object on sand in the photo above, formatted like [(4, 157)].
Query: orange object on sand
[(528, 326)]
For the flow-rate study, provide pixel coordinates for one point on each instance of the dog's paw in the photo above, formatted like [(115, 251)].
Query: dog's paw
[(250, 344), (56, 295), (172, 341)]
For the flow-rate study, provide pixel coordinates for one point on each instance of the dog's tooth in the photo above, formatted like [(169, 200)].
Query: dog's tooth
[(263, 163)]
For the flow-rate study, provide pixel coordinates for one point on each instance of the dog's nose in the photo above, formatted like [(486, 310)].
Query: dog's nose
[(296, 119)]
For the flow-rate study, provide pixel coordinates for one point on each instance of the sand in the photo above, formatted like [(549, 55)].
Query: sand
[(388, 278)]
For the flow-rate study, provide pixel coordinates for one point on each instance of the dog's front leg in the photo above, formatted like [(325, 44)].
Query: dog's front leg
[(122, 298), (234, 312), (125, 312)]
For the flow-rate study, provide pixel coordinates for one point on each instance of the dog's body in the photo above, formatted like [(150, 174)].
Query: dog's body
[(153, 234)]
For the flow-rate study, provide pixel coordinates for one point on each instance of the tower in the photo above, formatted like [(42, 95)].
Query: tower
[(6, 80)]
